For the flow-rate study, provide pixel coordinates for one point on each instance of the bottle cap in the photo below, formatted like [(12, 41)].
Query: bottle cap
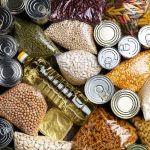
[(22, 56)]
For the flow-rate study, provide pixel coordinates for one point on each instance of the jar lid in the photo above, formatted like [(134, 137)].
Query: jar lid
[(99, 89)]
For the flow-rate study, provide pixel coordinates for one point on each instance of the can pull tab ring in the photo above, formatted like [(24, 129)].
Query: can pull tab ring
[(124, 47), (42, 9), (147, 38)]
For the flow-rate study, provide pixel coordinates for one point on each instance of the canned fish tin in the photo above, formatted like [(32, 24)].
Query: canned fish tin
[(10, 72), (109, 58), (38, 10), (125, 104), (107, 34), (15, 8), (8, 46), (99, 89), (137, 147), (129, 47), (6, 20), (6, 133), (144, 36)]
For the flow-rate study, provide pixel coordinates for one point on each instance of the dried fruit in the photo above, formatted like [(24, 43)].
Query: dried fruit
[(77, 66), (132, 74)]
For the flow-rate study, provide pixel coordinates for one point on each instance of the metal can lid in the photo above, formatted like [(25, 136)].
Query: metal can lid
[(137, 147), (109, 58), (99, 89), (6, 20), (16, 7), (125, 104), (37, 9), (144, 36), (129, 46), (6, 133), (8, 46), (10, 72), (107, 34)]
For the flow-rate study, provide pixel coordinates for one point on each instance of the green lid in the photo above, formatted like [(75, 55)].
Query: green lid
[(137, 147)]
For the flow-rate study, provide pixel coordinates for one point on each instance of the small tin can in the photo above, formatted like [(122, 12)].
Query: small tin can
[(15, 8), (109, 58), (137, 147), (6, 21), (38, 10), (10, 72), (144, 36), (125, 104), (129, 47), (99, 89), (6, 133), (8, 46), (107, 34)]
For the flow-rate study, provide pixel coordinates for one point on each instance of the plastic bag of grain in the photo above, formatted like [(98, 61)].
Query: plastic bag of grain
[(26, 142), (72, 35), (23, 106), (104, 131), (78, 66)]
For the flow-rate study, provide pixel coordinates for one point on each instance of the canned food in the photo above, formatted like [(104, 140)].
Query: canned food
[(137, 147), (38, 10), (125, 104), (8, 46), (15, 8), (144, 36), (129, 47), (109, 58), (107, 34), (10, 72), (6, 20), (99, 89), (6, 133)]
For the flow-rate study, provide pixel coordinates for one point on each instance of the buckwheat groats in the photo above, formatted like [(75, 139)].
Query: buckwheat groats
[(103, 131), (26, 142), (77, 66), (132, 74), (143, 130), (24, 106), (72, 35)]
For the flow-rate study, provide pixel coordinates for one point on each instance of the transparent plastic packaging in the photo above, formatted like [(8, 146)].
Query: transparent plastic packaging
[(126, 12), (72, 34), (104, 131), (26, 142), (83, 10), (23, 106), (132, 74)]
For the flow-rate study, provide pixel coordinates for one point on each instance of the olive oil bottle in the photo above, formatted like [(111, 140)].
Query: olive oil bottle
[(55, 88)]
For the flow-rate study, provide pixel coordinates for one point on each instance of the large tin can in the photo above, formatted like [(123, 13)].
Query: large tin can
[(10, 72), (38, 10), (144, 36), (107, 34), (125, 104), (137, 147), (129, 47), (6, 21), (8, 46), (15, 7), (6, 133), (109, 58), (99, 89)]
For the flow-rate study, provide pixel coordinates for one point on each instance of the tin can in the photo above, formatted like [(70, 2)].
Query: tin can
[(125, 104), (99, 89), (7, 148), (8, 46), (15, 8), (144, 36), (107, 34), (6, 21), (38, 10), (129, 47), (10, 72), (109, 58), (6, 133), (137, 147)]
